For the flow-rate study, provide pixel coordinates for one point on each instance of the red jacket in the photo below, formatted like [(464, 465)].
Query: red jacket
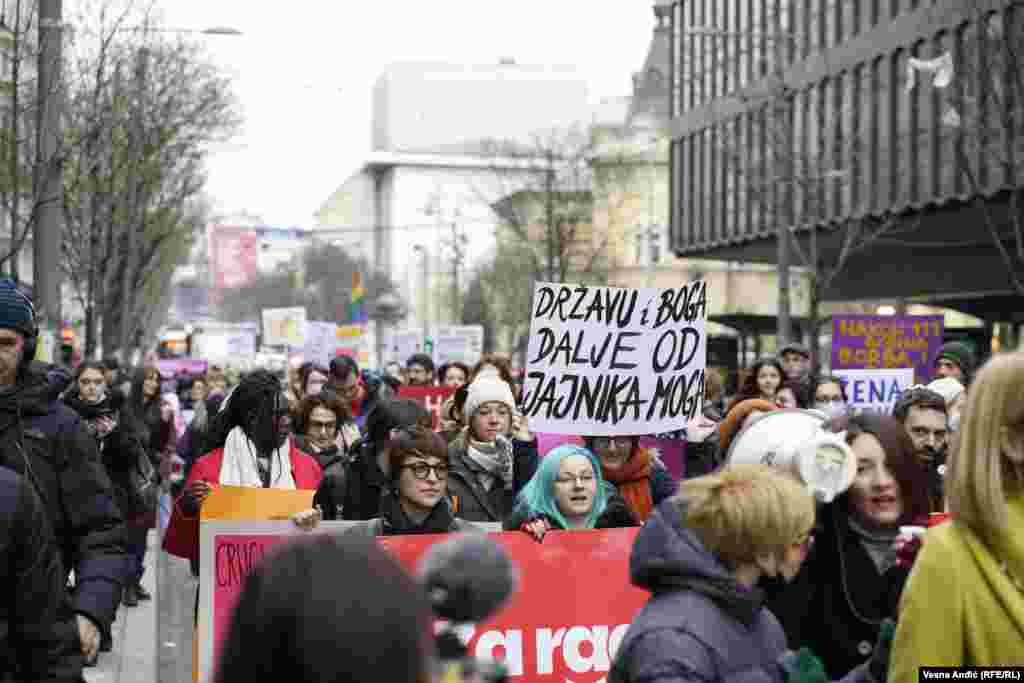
[(182, 538)]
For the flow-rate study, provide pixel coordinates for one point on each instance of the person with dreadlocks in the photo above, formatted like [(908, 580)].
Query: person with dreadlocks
[(251, 443)]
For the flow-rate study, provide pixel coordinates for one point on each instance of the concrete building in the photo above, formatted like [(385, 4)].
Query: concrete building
[(437, 169), (634, 159), (865, 131)]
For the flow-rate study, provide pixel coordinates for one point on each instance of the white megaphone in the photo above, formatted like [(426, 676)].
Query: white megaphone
[(797, 440)]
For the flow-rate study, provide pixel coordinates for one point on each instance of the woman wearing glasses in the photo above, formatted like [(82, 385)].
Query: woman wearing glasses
[(568, 492), (416, 501), (637, 475)]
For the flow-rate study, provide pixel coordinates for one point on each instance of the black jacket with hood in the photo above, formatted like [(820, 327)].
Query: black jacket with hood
[(31, 572), (45, 441)]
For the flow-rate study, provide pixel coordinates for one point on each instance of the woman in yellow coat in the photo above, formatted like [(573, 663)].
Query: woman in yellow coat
[(964, 601)]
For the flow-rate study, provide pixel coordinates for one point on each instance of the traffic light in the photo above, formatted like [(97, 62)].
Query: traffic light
[(67, 345)]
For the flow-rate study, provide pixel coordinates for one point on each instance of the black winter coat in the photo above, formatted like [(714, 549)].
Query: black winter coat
[(330, 496), (33, 579), (44, 440), (836, 603), (120, 451), (469, 499)]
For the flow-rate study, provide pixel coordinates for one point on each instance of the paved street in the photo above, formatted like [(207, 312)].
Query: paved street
[(144, 653)]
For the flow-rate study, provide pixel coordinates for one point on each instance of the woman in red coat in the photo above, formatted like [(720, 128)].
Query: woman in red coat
[(251, 448)]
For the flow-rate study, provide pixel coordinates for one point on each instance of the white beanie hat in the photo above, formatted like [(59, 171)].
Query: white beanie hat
[(949, 388), (485, 390)]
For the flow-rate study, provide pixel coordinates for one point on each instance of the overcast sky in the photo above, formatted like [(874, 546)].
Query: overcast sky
[(303, 71)]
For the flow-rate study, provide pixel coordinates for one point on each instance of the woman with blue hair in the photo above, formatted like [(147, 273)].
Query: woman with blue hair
[(568, 492)]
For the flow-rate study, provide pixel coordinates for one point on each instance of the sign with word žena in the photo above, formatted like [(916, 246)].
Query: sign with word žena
[(609, 360), (551, 630), (875, 391), (877, 342)]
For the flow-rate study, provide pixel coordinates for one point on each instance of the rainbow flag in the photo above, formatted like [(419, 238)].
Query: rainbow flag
[(357, 306)]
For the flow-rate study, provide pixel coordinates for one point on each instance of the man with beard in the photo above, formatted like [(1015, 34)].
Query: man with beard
[(47, 443), (923, 414)]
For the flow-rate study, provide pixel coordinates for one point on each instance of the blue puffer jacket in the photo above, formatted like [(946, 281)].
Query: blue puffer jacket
[(700, 625), (45, 441)]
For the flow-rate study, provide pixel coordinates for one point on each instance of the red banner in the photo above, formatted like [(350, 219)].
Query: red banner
[(431, 397), (561, 625)]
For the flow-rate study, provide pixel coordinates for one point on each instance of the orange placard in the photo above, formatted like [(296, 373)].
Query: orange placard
[(243, 503)]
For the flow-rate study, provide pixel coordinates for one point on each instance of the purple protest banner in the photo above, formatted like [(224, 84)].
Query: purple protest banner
[(172, 367), (869, 342)]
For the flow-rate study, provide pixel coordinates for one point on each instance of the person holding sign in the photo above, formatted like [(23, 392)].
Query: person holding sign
[(701, 556), (488, 468), (416, 502), (568, 492), (635, 472), (253, 448)]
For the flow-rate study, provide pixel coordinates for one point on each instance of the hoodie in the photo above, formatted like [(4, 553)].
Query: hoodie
[(700, 624)]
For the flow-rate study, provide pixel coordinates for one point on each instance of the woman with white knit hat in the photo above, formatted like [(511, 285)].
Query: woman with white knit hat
[(493, 457)]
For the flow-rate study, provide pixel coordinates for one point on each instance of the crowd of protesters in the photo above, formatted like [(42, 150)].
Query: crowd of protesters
[(749, 574)]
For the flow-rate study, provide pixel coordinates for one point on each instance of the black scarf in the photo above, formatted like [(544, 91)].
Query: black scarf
[(397, 523)]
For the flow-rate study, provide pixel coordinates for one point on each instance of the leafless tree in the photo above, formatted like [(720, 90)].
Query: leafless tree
[(142, 110), (549, 189)]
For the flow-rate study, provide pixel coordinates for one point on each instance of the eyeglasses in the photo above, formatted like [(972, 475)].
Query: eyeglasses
[(826, 399), (573, 478), (317, 426), (612, 441), (422, 470)]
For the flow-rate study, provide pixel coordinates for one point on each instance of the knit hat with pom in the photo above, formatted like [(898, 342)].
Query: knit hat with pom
[(488, 389)]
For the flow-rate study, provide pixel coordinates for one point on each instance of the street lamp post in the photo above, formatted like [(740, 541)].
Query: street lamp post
[(49, 193)]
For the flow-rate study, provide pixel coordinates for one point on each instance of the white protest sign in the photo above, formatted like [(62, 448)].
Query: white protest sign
[(607, 360), (402, 344), (283, 326), (241, 343), (321, 342), (459, 343), (875, 391)]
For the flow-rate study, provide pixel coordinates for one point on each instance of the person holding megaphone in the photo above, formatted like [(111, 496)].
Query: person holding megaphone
[(863, 472)]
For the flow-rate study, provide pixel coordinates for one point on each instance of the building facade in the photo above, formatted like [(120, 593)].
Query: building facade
[(877, 132)]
